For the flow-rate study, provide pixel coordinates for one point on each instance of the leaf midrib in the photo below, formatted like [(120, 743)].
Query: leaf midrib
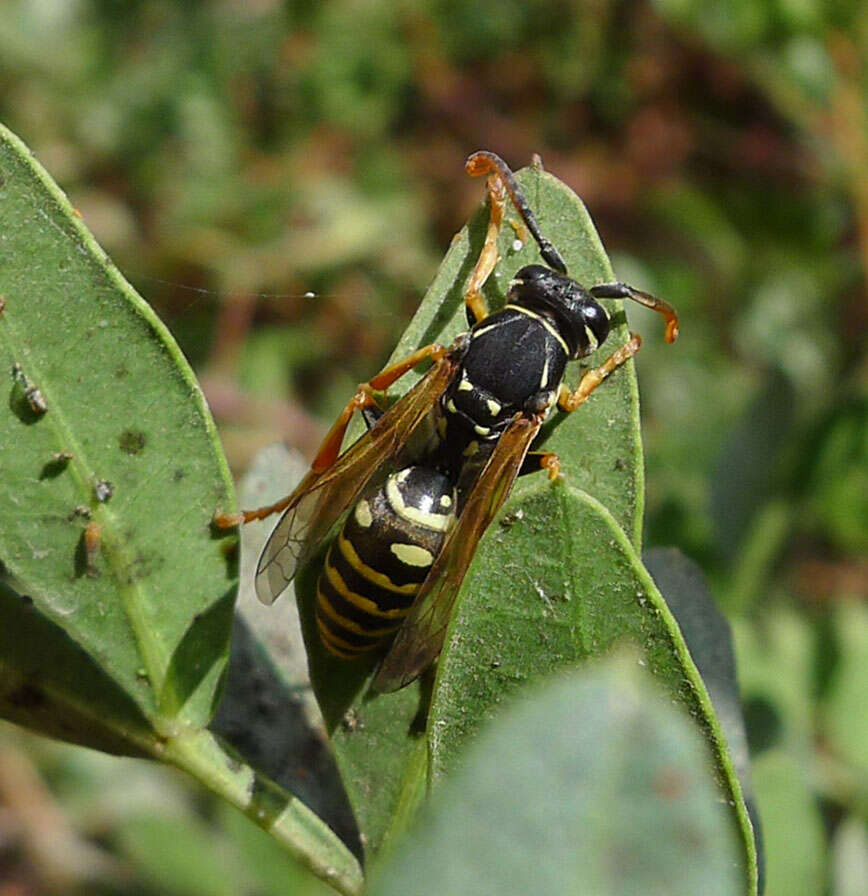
[(153, 655)]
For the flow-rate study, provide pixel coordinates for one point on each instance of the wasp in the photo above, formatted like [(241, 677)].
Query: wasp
[(432, 471)]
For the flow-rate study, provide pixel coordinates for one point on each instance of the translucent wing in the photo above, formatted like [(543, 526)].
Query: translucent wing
[(420, 638), (321, 498)]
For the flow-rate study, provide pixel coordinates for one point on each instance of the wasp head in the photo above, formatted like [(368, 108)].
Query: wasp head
[(580, 318)]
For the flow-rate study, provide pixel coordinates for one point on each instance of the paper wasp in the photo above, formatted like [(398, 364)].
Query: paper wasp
[(451, 449)]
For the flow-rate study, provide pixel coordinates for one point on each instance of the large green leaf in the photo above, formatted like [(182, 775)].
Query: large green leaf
[(378, 741), (557, 583), (119, 642), (708, 636), (594, 786), (152, 607), (600, 444)]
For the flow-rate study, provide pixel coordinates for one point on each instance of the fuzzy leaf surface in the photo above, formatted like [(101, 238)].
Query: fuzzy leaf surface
[(125, 443)]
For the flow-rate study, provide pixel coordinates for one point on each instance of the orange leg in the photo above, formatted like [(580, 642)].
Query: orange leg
[(231, 520), (394, 372), (330, 448), (551, 463), (488, 257), (488, 163), (568, 401)]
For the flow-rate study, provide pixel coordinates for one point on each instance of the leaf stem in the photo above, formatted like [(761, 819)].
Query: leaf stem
[(306, 837)]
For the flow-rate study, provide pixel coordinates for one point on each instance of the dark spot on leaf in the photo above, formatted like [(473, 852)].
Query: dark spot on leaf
[(178, 475), (86, 553), (21, 407), (229, 549), (692, 838), (58, 463), (132, 441), (351, 721), (121, 371), (27, 600), (2, 179), (510, 519), (31, 393), (142, 567)]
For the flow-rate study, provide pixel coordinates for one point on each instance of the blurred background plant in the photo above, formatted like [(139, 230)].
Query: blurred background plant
[(280, 179)]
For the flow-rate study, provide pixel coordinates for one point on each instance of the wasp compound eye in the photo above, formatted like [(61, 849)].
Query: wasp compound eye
[(596, 325)]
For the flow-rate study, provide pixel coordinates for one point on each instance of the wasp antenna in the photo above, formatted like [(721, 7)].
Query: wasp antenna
[(625, 291), (484, 162)]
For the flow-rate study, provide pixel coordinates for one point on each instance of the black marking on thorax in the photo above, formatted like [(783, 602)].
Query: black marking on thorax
[(514, 355)]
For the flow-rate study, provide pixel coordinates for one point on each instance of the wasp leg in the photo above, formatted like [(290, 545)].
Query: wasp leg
[(474, 301), (535, 461), (326, 456), (568, 401), (489, 163), (625, 291), (330, 448)]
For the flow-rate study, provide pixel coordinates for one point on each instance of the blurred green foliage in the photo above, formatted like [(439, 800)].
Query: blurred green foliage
[(234, 157)]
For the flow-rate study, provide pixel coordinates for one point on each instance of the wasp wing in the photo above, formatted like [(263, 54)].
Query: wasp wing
[(321, 497), (420, 639)]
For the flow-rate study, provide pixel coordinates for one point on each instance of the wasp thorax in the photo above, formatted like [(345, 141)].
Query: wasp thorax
[(579, 318)]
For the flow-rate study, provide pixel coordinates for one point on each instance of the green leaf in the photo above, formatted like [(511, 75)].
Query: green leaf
[(557, 583), (708, 637), (377, 741), (594, 785), (121, 644), (600, 444), (48, 683), (794, 838), (152, 606)]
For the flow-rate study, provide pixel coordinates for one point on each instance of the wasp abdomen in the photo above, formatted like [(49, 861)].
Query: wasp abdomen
[(377, 564)]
